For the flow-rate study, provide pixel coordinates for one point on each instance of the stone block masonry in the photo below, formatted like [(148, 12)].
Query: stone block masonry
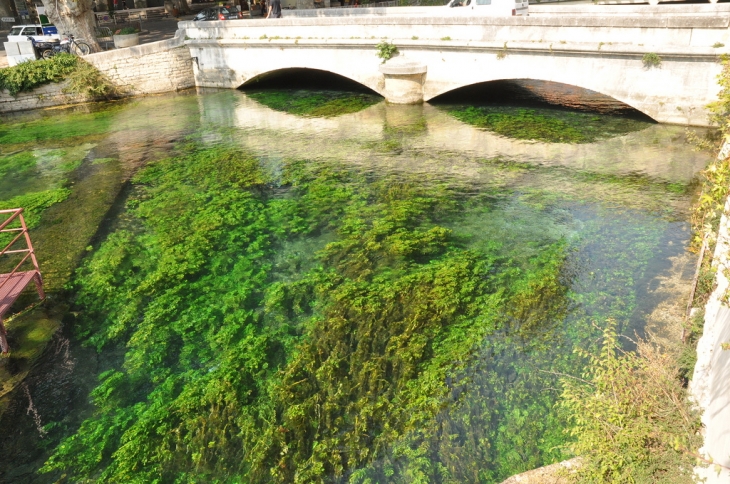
[(43, 97), (153, 68), (157, 67)]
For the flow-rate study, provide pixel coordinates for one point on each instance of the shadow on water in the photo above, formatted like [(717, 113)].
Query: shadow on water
[(535, 93), (298, 78), (310, 93)]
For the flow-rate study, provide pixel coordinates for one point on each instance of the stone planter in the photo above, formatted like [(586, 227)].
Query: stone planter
[(127, 40)]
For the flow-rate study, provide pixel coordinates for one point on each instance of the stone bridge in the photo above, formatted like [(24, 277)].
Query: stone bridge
[(605, 53)]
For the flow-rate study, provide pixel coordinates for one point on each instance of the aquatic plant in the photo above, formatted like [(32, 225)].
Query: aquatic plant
[(321, 104), (240, 364), (544, 124), (59, 126)]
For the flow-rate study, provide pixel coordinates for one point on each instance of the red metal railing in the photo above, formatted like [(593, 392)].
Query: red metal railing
[(13, 283)]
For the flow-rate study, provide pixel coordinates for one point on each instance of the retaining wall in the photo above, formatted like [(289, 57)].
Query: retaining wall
[(157, 67), (43, 97), (148, 68), (710, 383)]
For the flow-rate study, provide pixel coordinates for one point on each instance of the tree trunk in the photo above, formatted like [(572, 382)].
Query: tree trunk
[(75, 17), (181, 6)]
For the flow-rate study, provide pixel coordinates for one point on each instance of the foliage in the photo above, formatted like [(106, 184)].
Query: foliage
[(651, 59), (127, 31), (26, 76), (321, 104), (631, 417), (88, 80), (59, 126), (245, 357), (35, 203), (545, 125), (717, 45), (720, 109), (386, 50), (502, 52)]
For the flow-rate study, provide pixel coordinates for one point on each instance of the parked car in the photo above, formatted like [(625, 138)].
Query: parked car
[(487, 8), (219, 13), (42, 33)]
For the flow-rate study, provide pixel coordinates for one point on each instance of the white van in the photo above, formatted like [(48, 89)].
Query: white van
[(488, 8), (43, 33)]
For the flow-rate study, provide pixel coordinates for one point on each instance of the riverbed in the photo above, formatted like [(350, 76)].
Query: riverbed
[(315, 286)]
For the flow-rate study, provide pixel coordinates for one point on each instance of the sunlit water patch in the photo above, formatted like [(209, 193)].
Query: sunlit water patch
[(386, 295)]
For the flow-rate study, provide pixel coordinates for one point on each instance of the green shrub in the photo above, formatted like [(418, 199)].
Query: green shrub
[(27, 76), (651, 59), (88, 80), (386, 50), (631, 416), (127, 31)]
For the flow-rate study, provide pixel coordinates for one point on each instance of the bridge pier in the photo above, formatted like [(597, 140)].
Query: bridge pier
[(404, 81)]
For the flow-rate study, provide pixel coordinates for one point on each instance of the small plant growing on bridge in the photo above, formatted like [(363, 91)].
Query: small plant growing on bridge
[(717, 45), (386, 50), (651, 59), (502, 53)]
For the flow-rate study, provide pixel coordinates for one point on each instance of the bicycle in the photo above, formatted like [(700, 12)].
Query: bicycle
[(69, 45), (76, 47)]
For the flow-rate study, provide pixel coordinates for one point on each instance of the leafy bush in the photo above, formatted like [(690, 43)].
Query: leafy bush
[(386, 50), (127, 31), (631, 416), (88, 80), (26, 76)]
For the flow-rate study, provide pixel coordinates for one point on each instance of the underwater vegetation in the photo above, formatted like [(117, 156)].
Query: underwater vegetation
[(315, 104), (288, 314), (548, 125), (242, 363)]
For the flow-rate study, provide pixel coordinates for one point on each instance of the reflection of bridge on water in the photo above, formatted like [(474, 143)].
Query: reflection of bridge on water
[(605, 54)]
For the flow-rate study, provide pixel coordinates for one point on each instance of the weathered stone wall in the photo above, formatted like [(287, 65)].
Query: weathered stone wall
[(45, 96), (148, 68), (145, 69), (710, 383)]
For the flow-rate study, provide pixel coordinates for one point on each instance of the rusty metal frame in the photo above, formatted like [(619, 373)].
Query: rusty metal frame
[(37, 278)]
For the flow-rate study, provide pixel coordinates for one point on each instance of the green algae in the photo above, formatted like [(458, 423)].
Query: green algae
[(324, 104), (300, 318), (548, 125), (394, 295), (62, 126)]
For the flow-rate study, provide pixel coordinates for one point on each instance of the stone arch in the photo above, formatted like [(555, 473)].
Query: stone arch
[(308, 74), (593, 95)]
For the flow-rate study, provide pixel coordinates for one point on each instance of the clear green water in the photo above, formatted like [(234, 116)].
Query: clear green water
[(275, 291)]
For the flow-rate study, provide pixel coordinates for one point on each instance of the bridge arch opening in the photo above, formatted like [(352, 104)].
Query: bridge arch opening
[(538, 93), (304, 78)]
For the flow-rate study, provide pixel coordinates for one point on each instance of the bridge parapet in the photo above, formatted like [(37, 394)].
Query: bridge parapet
[(697, 30)]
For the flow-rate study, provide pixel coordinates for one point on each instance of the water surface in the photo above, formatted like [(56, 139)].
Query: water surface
[(280, 287)]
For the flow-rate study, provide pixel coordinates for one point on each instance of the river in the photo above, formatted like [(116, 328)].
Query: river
[(314, 286)]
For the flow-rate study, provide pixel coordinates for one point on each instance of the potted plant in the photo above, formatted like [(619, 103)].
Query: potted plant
[(126, 37)]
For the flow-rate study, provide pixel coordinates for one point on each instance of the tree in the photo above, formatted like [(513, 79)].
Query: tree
[(75, 17)]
